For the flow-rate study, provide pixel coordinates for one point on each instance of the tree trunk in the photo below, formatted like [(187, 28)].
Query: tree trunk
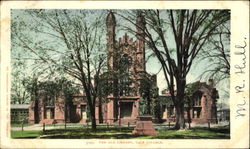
[(188, 113), (100, 111), (91, 106), (180, 119), (93, 119)]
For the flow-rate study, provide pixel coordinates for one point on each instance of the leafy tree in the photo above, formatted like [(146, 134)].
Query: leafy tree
[(104, 89), (31, 85), (146, 92), (149, 92), (60, 87), (24, 80), (19, 95), (150, 102), (158, 109)]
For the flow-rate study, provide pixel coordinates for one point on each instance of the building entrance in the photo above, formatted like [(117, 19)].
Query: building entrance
[(126, 109)]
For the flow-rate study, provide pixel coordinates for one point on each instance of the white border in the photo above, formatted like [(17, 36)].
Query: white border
[(240, 29)]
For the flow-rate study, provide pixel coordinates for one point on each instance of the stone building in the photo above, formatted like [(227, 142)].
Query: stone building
[(50, 110), (47, 110), (203, 105), (129, 55), (126, 60), (19, 113)]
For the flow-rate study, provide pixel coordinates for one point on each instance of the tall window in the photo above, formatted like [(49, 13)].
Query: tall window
[(83, 112), (197, 101), (49, 107), (124, 75), (197, 104), (49, 101), (197, 98)]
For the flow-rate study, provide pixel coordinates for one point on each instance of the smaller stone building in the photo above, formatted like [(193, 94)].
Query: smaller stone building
[(19, 113), (50, 110), (203, 105), (47, 110)]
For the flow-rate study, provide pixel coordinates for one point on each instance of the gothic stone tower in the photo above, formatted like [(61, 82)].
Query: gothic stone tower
[(126, 50), (126, 59), (140, 46), (110, 23)]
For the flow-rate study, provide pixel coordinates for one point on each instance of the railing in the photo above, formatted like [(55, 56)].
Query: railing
[(116, 125)]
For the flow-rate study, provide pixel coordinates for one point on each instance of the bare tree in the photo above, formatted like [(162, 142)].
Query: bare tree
[(190, 31), (217, 54), (68, 42)]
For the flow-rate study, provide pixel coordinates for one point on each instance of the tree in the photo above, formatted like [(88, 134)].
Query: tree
[(218, 55), (149, 92), (190, 30), (19, 94), (31, 85), (105, 88), (59, 87), (65, 41)]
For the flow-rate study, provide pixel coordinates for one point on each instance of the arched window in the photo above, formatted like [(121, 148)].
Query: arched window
[(124, 75), (125, 63)]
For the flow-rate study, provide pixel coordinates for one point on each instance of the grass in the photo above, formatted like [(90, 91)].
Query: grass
[(190, 134), (82, 133), (25, 134), (123, 133)]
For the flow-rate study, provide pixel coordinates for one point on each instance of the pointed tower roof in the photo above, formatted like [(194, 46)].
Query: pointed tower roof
[(140, 18), (110, 18)]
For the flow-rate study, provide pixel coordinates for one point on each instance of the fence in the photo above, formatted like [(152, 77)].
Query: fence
[(67, 126), (116, 124)]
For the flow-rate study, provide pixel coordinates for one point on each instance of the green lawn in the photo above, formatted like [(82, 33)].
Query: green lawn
[(25, 134), (124, 133), (189, 134)]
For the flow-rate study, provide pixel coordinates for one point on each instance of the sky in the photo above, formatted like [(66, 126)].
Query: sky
[(152, 66)]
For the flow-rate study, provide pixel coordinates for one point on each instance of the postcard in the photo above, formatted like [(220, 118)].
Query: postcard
[(124, 74)]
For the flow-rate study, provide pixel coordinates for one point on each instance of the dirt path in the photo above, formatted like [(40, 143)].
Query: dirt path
[(40, 127)]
